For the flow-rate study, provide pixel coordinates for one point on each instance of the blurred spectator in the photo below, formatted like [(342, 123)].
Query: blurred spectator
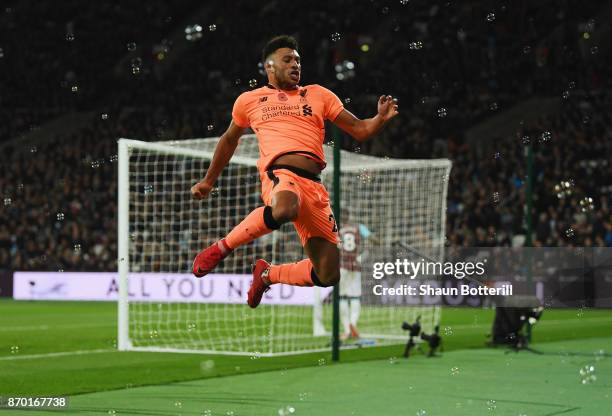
[(451, 65)]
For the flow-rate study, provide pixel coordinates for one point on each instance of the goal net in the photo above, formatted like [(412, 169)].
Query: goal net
[(162, 307)]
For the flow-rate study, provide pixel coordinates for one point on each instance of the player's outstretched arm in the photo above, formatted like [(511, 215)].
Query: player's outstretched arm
[(223, 153), (362, 130)]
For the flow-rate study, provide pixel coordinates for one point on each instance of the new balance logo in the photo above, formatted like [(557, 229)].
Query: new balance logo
[(307, 110), (263, 99)]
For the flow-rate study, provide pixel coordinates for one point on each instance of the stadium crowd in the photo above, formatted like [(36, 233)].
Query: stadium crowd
[(451, 65)]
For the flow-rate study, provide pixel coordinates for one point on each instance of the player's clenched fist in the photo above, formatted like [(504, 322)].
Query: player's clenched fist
[(387, 107), (201, 190)]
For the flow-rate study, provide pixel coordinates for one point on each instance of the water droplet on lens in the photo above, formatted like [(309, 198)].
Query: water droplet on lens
[(545, 137), (590, 25), (365, 176), (206, 366), (586, 204), (286, 411), (193, 33), (587, 373), (564, 189), (416, 45), (491, 405)]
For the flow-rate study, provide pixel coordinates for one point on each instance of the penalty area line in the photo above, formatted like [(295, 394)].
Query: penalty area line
[(54, 354)]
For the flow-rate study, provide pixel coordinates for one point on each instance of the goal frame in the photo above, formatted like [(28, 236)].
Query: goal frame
[(123, 258)]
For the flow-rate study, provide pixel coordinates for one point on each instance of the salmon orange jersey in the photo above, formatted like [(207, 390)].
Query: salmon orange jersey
[(287, 121)]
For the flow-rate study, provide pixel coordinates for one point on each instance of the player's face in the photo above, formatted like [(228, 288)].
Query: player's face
[(286, 67)]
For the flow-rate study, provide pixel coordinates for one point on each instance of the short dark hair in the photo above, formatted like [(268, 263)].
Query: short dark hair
[(282, 41)]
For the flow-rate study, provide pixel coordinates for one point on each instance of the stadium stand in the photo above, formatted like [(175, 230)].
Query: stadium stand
[(452, 66)]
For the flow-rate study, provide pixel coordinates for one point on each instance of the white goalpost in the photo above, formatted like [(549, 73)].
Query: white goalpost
[(162, 307)]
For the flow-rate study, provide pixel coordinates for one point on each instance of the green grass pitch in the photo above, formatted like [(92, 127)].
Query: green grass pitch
[(69, 349)]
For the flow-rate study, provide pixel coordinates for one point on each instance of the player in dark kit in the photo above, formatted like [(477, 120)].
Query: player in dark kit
[(288, 120)]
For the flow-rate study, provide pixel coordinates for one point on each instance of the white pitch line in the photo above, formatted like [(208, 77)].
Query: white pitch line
[(543, 321), (52, 327), (53, 354)]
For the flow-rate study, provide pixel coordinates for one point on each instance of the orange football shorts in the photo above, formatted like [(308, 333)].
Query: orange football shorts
[(315, 217)]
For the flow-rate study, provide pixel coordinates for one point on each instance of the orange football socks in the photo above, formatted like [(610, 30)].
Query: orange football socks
[(259, 222), (295, 274)]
